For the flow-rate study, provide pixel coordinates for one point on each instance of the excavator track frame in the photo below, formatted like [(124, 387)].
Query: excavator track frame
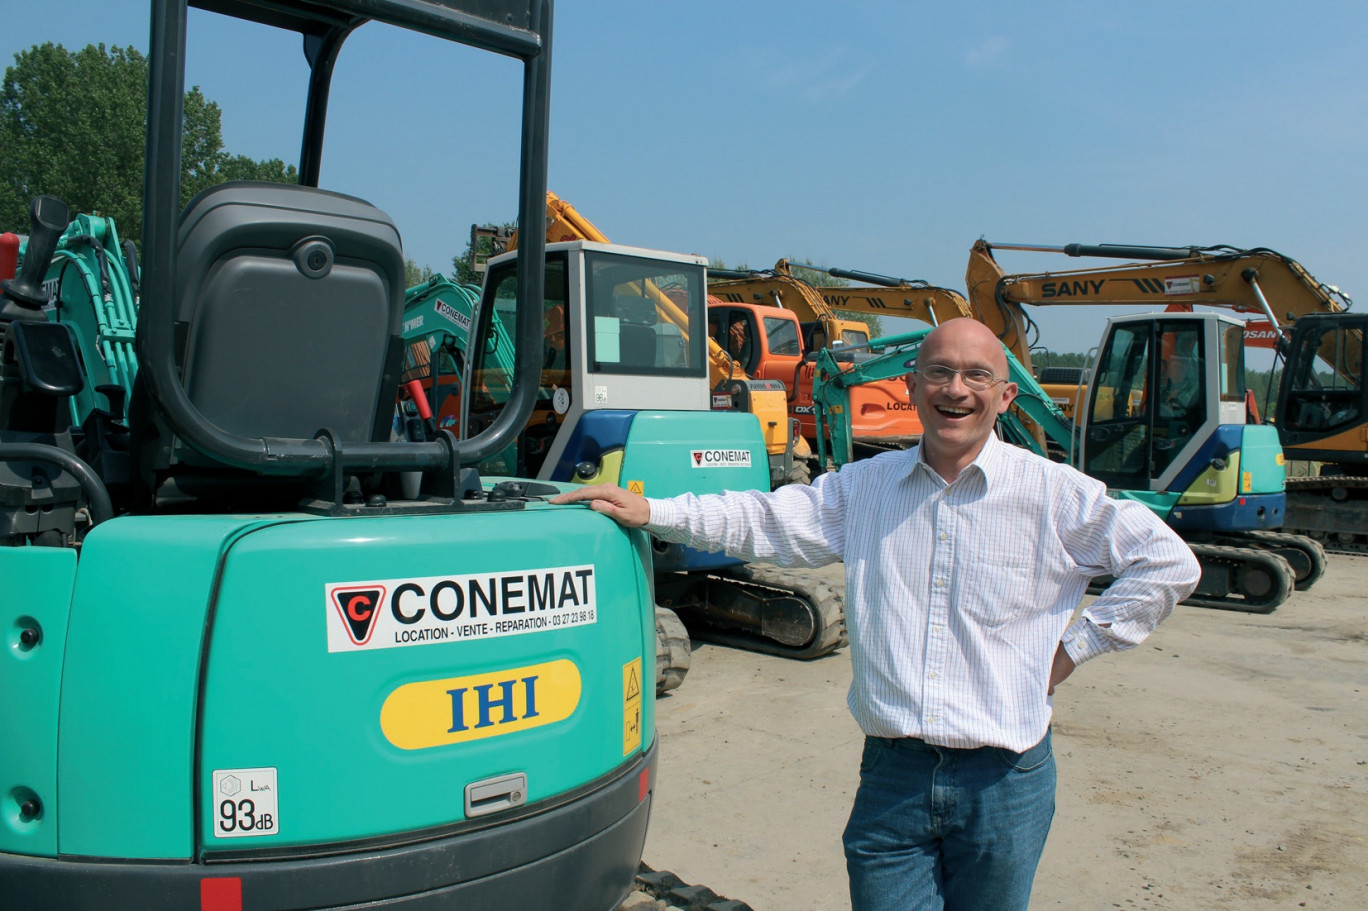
[(1304, 554), (1256, 582), (760, 608), (1330, 509)]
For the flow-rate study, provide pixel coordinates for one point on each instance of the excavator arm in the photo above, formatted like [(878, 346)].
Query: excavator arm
[(1253, 281), (781, 288), (907, 297), (912, 298), (564, 222)]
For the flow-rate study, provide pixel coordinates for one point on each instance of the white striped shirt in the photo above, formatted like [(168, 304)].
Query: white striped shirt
[(957, 595)]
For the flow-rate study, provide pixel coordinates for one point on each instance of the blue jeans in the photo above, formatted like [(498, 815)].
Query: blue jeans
[(937, 828)]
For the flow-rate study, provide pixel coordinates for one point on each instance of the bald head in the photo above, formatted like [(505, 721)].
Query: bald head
[(958, 418), (968, 335)]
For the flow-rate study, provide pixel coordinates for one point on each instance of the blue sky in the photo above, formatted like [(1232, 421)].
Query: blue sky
[(885, 136)]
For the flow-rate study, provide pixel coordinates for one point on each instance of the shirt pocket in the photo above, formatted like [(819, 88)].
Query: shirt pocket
[(1000, 576)]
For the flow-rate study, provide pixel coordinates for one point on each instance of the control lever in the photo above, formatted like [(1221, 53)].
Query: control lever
[(49, 217)]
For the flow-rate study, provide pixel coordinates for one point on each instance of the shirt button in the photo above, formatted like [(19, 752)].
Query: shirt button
[(943, 536), (940, 583), (934, 675), (932, 719)]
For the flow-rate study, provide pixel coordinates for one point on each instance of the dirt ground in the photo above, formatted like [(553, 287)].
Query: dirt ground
[(1222, 765)]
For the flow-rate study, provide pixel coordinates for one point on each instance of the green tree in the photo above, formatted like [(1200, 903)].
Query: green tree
[(415, 275), (1042, 358), (73, 125)]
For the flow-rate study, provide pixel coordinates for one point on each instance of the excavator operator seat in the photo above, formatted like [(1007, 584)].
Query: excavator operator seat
[(637, 319), (289, 300)]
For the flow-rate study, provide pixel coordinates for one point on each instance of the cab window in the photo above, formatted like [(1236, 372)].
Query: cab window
[(644, 316), (783, 336), (492, 376)]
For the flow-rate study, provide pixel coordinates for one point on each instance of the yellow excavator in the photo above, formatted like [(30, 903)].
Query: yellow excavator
[(1321, 410)]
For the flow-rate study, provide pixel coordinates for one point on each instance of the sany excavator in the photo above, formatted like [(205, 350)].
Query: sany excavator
[(1164, 425), (627, 377), (1321, 412), (758, 309)]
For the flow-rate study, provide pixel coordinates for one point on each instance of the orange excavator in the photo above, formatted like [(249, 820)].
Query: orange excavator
[(1321, 410)]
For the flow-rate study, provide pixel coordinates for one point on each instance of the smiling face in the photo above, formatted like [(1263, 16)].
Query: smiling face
[(957, 420)]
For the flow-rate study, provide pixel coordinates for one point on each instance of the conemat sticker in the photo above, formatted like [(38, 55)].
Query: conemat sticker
[(720, 458), (453, 315), (1182, 284), (396, 613)]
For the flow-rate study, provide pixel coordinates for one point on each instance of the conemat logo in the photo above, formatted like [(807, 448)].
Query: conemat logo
[(358, 608), (720, 458), (392, 613)]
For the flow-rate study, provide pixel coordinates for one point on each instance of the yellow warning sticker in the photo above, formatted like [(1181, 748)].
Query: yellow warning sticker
[(636, 487), (631, 706)]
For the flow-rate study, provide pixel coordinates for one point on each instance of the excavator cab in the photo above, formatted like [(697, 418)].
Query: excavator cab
[(1323, 396), (1166, 422), (631, 341)]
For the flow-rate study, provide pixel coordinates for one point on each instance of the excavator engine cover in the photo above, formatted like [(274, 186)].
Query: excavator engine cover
[(768, 401)]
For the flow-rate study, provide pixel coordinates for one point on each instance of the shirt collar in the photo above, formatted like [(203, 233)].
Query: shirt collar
[(987, 464)]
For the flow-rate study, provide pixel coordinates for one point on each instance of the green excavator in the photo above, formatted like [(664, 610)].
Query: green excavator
[(259, 654)]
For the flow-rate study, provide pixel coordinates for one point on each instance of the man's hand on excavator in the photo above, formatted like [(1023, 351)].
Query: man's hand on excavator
[(627, 508)]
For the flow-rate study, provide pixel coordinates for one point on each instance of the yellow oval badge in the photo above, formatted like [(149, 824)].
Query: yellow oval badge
[(435, 713)]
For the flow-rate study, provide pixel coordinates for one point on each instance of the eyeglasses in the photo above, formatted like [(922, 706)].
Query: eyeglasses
[(974, 377)]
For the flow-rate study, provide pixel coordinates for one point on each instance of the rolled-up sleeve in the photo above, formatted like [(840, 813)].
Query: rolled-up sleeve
[(1152, 569), (795, 525)]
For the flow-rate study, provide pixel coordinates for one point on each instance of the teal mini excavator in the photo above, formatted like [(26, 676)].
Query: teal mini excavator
[(258, 654)]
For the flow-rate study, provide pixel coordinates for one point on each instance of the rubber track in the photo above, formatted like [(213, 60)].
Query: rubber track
[(672, 650), (1226, 555), (1275, 564), (826, 606), (662, 885), (1307, 550)]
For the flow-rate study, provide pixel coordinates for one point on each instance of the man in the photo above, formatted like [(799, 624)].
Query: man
[(737, 341), (965, 559)]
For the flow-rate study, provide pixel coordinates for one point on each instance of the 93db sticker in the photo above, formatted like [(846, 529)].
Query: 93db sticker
[(390, 613), (245, 803)]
